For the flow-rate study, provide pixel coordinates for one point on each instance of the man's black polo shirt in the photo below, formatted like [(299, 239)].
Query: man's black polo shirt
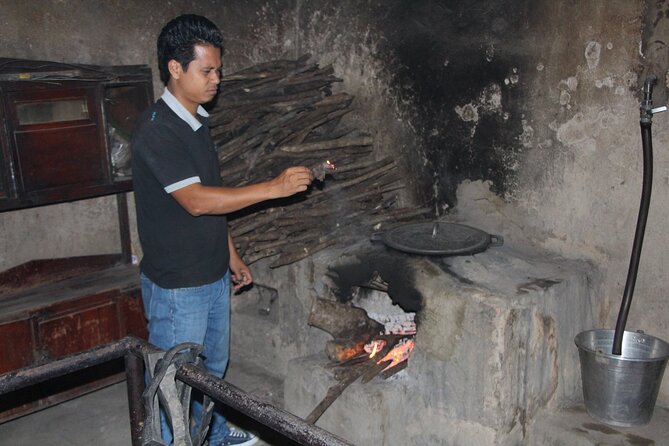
[(168, 153)]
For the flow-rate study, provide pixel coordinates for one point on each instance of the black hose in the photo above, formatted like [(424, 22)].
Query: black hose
[(647, 143)]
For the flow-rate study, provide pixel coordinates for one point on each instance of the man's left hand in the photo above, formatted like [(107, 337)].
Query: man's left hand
[(241, 274)]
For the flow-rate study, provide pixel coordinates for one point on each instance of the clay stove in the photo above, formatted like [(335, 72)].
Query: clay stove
[(493, 343)]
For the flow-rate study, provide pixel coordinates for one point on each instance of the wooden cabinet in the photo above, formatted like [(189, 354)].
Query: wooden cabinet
[(66, 130), (16, 344), (65, 135)]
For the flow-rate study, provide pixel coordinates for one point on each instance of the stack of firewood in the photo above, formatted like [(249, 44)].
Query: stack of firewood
[(283, 113)]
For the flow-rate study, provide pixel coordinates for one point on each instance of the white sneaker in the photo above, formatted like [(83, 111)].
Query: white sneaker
[(238, 437)]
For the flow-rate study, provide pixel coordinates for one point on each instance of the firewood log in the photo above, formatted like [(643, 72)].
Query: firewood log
[(281, 113)]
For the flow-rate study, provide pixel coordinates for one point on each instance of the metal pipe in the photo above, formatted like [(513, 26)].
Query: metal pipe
[(281, 421), (132, 349), (134, 372), (28, 376), (646, 110)]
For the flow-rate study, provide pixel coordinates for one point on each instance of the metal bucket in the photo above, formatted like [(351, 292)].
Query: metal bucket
[(621, 390)]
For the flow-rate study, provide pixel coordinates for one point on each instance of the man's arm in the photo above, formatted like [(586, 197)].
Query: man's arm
[(241, 274), (202, 200)]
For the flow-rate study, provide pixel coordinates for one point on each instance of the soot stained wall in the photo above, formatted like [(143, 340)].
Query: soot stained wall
[(440, 84), (458, 62)]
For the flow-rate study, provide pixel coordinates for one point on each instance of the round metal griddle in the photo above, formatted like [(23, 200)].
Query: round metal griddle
[(438, 239)]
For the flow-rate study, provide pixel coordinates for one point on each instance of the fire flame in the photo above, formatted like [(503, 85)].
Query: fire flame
[(399, 353), (320, 170), (375, 346)]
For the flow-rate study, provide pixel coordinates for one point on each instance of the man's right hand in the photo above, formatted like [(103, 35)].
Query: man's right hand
[(197, 199), (291, 181)]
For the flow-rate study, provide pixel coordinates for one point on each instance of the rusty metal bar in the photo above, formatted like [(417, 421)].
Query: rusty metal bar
[(281, 421), (134, 372), (28, 376), (132, 349)]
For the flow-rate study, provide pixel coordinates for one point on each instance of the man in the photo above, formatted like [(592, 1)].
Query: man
[(189, 255)]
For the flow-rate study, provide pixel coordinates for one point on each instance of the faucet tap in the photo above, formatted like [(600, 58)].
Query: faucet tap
[(647, 110)]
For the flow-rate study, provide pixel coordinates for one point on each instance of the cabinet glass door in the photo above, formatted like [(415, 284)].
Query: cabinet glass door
[(122, 105)]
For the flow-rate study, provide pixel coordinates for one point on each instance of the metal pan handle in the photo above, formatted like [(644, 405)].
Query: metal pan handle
[(496, 240), (377, 237)]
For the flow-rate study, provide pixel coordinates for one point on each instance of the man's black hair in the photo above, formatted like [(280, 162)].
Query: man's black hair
[(178, 38)]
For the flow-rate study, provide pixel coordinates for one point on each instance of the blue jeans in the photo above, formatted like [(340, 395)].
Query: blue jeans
[(196, 314)]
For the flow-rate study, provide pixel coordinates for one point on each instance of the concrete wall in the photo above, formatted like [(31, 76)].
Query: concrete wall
[(523, 126), (576, 188)]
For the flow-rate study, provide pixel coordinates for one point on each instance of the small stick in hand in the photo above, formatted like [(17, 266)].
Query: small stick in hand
[(320, 170)]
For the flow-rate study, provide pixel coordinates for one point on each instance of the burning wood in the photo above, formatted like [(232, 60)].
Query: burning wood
[(355, 333), (374, 347), (358, 344), (347, 375), (320, 170), (343, 350), (399, 353), (350, 327)]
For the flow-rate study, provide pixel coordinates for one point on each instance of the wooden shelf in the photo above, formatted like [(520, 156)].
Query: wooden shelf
[(66, 136), (67, 130)]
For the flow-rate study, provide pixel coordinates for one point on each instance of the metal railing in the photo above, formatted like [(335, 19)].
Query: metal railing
[(133, 349)]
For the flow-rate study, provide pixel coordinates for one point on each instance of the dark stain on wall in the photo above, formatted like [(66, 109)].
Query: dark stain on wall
[(448, 54), (393, 267)]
